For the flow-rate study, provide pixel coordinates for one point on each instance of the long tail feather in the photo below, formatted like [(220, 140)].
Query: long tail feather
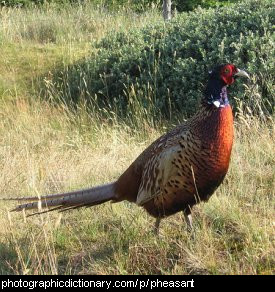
[(71, 200)]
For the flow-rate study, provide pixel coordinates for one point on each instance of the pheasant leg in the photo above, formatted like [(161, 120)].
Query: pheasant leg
[(156, 227), (188, 220)]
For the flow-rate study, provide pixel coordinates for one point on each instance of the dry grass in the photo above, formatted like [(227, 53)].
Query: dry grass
[(80, 23), (46, 149)]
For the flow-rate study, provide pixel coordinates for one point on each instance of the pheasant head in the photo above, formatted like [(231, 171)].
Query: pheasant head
[(219, 78)]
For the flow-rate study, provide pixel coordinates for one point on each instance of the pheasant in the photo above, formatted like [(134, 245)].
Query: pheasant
[(177, 171)]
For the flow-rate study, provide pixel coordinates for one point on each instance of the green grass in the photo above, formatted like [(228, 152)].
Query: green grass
[(49, 148)]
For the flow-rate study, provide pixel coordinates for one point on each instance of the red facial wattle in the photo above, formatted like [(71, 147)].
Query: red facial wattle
[(227, 73)]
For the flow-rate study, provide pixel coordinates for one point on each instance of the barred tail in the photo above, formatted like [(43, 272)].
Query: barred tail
[(65, 201)]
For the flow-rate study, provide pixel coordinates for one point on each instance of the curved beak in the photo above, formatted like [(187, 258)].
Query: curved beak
[(242, 73)]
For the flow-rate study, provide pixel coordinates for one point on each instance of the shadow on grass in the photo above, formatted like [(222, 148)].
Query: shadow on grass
[(8, 259)]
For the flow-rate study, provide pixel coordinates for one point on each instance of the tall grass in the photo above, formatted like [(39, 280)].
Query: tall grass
[(48, 148), (71, 23)]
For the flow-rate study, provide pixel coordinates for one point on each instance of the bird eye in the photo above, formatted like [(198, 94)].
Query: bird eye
[(226, 70)]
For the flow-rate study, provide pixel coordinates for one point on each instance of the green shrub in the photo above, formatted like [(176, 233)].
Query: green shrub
[(137, 5), (163, 68), (179, 5), (20, 2), (24, 3)]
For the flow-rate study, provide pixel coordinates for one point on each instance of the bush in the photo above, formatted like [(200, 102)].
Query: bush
[(23, 3), (137, 5), (163, 68), (20, 2), (179, 5)]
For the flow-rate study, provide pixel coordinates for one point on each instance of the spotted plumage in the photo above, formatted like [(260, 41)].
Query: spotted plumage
[(178, 170)]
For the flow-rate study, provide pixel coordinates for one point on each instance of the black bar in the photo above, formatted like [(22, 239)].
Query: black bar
[(139, 282)]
